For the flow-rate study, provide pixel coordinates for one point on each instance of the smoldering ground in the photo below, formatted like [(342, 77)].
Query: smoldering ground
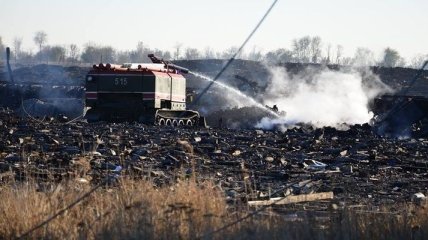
[(316, 96), (322, 97), (45, 90)]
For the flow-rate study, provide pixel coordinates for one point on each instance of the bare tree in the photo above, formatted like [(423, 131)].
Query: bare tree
[(209, 53), (40, 38), (279, 56), (191, 53), (26, 56), (255, 54), (17, 44), (159, 53), (166, 55), (138, 55), (327, 59), (141, 53), (339, 53), (108, 54), (56, 53), (140, 46), (315, 49), (363, 57), (301, 49), (228, 53), (177, 52), (124, 56), (346, 61), (93, 54), (391, 58), (73, 52)]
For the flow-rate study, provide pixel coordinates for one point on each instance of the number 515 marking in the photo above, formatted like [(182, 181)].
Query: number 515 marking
[(120, 81)]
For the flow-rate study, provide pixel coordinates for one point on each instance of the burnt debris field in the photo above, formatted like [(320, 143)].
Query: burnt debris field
[(295, 170)]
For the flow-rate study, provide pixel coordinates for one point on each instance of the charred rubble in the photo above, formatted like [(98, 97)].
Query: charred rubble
[(356, 165)]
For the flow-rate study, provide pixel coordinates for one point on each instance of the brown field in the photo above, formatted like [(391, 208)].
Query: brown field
[(134, 209)]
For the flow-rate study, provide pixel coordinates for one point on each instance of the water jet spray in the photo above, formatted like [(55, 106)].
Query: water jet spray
[(251, 100)]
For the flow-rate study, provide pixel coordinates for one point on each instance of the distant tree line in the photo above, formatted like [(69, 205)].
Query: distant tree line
[(307, 49)]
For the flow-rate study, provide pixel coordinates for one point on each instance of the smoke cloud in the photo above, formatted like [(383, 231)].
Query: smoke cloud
[(322, 97), (45, 90)]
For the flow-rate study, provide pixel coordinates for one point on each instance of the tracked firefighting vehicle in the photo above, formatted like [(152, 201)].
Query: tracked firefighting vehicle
[(150, 93)]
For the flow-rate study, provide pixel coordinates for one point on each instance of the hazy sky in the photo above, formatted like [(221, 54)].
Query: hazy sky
[(375, 24)]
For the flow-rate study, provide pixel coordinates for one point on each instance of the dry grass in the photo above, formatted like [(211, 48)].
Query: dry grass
[(136, 210)]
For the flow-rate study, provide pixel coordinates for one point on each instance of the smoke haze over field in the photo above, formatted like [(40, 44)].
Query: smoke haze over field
[(322, 98)]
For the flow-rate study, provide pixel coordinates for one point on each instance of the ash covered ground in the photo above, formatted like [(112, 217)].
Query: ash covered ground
[(246, 157), (356, 165)]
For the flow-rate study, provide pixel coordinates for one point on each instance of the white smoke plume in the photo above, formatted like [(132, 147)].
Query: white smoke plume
[(322, 98)]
